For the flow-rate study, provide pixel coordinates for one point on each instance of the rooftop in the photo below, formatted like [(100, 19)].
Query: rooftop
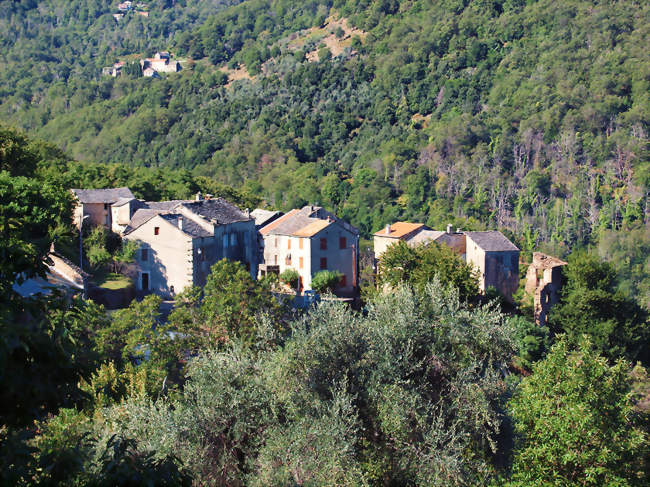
[(399, 229), (263, 217), (305, 222), (109, 195), (492, 241)]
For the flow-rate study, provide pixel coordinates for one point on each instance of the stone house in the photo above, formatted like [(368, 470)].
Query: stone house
[(181, 240), (97, 205), (310, 240), (543, 282), (496, 260), (160, 63), (493, 256)]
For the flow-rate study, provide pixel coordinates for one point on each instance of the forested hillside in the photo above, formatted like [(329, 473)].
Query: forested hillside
[(530, 116)]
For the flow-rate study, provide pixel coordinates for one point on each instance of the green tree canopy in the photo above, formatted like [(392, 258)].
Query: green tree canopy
[(577, 423), (417, 265)]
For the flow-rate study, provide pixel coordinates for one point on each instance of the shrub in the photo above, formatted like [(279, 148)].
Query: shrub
[(326, 281), (290, 277)]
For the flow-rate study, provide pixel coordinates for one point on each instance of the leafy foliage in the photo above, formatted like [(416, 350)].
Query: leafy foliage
[(326, 281), (578, 424), (418, 265)]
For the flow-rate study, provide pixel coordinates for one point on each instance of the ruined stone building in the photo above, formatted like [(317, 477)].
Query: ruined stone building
[(543, 282)]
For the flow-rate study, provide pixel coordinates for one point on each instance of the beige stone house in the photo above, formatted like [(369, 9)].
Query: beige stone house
[(181, 240), (493, 256), (160, 63), (310, 240), (97, 204)]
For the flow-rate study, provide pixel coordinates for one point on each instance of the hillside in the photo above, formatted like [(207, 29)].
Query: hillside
[(527, 116)]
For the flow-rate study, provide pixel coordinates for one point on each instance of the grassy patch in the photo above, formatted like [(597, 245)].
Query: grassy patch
[(112, 281)]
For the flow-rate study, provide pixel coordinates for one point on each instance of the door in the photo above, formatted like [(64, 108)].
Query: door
[(145, 281)]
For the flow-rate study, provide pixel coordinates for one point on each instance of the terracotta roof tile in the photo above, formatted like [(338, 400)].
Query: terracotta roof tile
[(265, 230), (312, 229), (399, 229)]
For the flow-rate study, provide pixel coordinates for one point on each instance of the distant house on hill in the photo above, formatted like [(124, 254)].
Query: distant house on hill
[(181, 240), (310, 240), (114, 71), (97, 205), (493, 256), (160, 63)]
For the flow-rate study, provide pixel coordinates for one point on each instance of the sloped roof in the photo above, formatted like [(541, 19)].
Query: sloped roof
[(492, 241), (543, 261), (140, 217), (262, 217), (312, 229), (218, 210), (399, 229), (426, 236), (108, 195), (122, 202), (278, 223), (305, 222), (190, 227)]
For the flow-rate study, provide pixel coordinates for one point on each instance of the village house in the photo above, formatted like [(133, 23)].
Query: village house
[(181, 240), (96, 204), (114, 71), (310, 240), (494, 258), (160, 63)]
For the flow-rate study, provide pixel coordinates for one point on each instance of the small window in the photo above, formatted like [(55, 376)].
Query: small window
[(323, 244), (323, 262), (287, 260), (156, 230), (276, 242), (342, 243), (233, 239), (289, 243), (300, 262), (106, 206), (275, 259), (344, 281), (300, 243), (247, 238), (144, 255), (225, 241)]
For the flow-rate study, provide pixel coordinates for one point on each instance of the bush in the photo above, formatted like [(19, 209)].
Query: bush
[(326, 281), (290, 277)]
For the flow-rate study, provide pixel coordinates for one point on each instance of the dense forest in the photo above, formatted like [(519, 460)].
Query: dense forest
[(531, 117)]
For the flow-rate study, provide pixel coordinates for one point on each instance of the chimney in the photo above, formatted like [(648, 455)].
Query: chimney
[(247, 212), (449, 228), (388, 229), (180, 222), (199, 196), (458, 230)]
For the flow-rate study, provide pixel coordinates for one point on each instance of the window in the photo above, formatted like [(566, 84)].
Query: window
[(106, 206), (300, 243), (233, 239), (276, 242), (156, 230), (323, 244), (144, 255), (323, 262), (299, 262), (344, 281), (342, 243), (247, 238), (289, 243), (275, 259), (225, 240), (287, 260), (144, 281)]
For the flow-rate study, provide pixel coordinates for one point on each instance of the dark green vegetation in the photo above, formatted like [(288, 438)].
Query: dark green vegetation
[(527, 116), (530, 116)]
